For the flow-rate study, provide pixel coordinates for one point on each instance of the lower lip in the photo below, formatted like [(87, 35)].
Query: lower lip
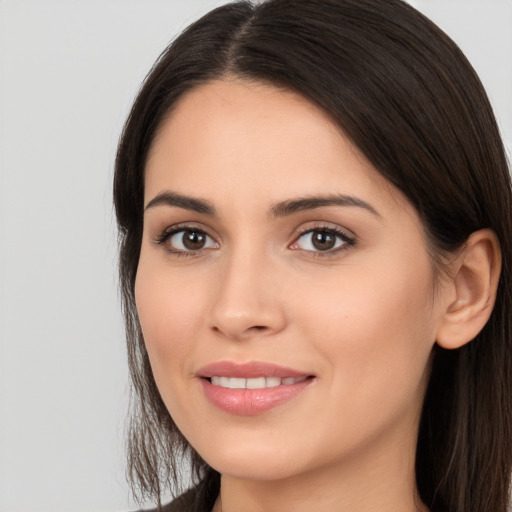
[(249, 402)]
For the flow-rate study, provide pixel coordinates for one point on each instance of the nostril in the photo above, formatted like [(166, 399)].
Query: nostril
[(258, 328)]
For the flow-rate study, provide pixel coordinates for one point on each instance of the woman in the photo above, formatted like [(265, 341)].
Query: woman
[(314, 208)]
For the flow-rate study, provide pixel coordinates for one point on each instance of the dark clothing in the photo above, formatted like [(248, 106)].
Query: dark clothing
[(190, 501), (200, 498)]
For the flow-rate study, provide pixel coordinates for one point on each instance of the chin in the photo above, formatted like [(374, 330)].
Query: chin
[(250, 460), (260, 469)]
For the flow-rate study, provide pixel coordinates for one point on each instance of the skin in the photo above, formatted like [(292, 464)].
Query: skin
[(362, 320)]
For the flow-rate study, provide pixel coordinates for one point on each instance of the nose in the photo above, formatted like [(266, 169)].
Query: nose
[(248, 302)]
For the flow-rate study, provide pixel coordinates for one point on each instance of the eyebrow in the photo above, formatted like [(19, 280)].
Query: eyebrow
[(281, 209), (187, 203), (292, 206)]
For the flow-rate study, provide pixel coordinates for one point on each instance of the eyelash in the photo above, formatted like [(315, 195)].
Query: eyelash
[(347, 241), (168, 233)]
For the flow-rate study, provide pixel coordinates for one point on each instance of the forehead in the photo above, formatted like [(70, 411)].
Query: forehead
[(243, 141)]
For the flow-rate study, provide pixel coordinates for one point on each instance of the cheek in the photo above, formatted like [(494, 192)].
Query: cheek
[(169, 318), (376, 331), (370, 307)]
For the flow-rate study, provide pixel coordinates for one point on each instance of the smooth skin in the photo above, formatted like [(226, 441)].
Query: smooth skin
[(360, 309)]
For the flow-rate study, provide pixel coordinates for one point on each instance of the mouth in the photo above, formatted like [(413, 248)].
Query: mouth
[(251, 371), (251, 388)]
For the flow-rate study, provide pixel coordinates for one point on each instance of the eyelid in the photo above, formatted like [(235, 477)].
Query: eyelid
[(166, 234), (348, 238)]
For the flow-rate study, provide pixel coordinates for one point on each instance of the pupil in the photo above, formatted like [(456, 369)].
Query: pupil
[(193, 240), (322, 240)]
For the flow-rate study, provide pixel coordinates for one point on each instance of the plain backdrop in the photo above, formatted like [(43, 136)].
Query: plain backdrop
[(69, 70)]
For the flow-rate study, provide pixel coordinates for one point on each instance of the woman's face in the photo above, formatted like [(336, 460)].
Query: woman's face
[(276, 260)]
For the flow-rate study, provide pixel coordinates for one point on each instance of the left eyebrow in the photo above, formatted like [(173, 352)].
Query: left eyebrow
[(301, 204), (169, 198)]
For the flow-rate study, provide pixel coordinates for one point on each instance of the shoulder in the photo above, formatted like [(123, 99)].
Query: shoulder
[(187, 502), (184, 503), (200, 498)]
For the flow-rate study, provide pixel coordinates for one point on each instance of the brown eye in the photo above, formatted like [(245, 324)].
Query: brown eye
[(322, 240), (189, 240), (193, 240)]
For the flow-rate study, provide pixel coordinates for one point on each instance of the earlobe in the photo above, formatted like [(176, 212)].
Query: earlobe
[(475, 277)]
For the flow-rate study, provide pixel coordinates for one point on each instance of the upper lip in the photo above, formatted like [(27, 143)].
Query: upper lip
[(249, 370)]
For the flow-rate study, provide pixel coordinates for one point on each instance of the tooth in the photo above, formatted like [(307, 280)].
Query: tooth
[(237, 383), (272, 382), (256, 383)]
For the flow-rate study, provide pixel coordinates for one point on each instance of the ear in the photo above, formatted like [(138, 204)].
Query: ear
[(474, 281)]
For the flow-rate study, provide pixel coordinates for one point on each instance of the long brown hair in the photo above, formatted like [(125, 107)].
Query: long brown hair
[(406, 96)]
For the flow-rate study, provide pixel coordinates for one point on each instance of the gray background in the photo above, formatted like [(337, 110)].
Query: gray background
[(68, 73)]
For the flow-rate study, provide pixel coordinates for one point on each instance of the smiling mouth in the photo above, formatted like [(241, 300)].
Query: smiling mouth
[(252, 388), (255, 383)]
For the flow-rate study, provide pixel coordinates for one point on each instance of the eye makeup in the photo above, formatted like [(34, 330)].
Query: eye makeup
[(321, 240)]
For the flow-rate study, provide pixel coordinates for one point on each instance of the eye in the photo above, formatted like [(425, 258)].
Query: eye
[(322, 240), (187, 240)]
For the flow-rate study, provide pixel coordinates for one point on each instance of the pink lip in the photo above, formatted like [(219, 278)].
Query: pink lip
[(248, 370), (247, 402)]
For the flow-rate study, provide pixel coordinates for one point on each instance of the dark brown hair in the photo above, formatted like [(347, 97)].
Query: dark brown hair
[(406, 96)]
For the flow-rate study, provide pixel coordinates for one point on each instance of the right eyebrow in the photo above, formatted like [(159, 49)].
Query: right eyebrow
[(301, 204), (168, 198)]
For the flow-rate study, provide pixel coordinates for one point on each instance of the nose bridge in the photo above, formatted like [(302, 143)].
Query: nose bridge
[(245, 301)]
